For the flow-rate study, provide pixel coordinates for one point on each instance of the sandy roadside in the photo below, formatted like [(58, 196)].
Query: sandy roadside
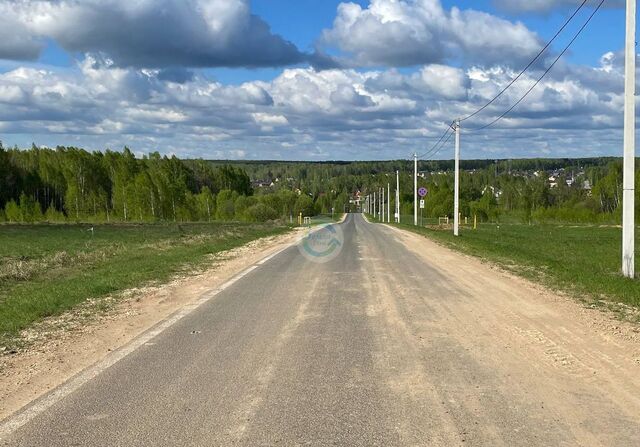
[(62, 347), (506, 344), (599, 318)]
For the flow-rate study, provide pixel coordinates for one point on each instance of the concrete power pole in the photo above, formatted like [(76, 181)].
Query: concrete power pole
[(415, 189), (382, 206), (374, 205), (388, 203), (628, 199), (398, 195), (456, 193)]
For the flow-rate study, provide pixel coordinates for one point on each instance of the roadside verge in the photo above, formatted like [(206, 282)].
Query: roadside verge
[(65, 346)]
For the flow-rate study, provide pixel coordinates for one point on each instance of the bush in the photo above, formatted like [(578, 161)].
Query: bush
[(12, 211), (260, 213), (53, 215), (225, 209), (305, 205), (29, 209)]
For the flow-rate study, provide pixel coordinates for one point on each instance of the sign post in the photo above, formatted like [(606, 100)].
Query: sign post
[(422, 192)]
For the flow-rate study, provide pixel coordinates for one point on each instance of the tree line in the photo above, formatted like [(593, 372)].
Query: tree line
[(524, 190), (72, 184), (583, 190)]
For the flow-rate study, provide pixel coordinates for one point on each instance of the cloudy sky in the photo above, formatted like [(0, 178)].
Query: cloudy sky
[(308, 79)]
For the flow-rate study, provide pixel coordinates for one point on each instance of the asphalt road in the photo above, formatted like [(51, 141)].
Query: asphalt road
[(367, 349)]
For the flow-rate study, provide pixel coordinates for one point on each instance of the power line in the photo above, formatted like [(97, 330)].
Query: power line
[(540, 53), (543, 74), (435, 146), (439, 149), (443, 145)]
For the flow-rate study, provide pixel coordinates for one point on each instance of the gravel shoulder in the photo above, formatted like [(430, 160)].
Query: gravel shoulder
[(559, 363)]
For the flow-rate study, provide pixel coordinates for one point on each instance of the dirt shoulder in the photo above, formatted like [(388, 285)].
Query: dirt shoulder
[(543, 353), (61, 347), (604, 320)]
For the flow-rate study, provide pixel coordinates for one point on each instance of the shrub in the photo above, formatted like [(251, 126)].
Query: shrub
[(53, 215), (12, 211), (260, 213)]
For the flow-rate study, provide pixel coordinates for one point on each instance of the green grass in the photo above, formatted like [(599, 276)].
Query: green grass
[(326, 218), (46, 270), (584, 261)]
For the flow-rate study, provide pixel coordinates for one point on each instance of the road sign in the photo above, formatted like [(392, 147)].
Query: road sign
[(422, 192), (421, 204)]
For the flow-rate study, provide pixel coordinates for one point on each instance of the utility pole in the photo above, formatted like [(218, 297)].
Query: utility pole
[(628, 199), (388, 202), (415, 189), (374, 205), (398, 195), (456, 193), (382, 207)]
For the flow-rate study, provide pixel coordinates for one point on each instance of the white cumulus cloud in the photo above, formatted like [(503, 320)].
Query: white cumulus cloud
[(415, 32), (146, 33)]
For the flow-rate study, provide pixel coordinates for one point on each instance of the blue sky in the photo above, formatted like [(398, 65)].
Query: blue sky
[(305, 79), (301, 21)]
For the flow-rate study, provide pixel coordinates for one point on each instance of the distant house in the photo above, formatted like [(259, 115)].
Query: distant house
[(262, 183), (496, 192)]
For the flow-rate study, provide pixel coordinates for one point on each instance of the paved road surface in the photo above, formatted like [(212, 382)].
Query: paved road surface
[(391, 343)]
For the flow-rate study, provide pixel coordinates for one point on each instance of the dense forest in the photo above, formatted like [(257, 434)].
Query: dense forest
[(71, 184), (527, 190)]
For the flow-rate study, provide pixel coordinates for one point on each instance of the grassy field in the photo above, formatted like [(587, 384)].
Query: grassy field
[(47, 269), (581, 260)]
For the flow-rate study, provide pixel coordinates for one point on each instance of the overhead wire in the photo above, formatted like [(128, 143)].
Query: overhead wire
[(566, 48), (540, 53), (438, 143), (435, 149), (439, 149)]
